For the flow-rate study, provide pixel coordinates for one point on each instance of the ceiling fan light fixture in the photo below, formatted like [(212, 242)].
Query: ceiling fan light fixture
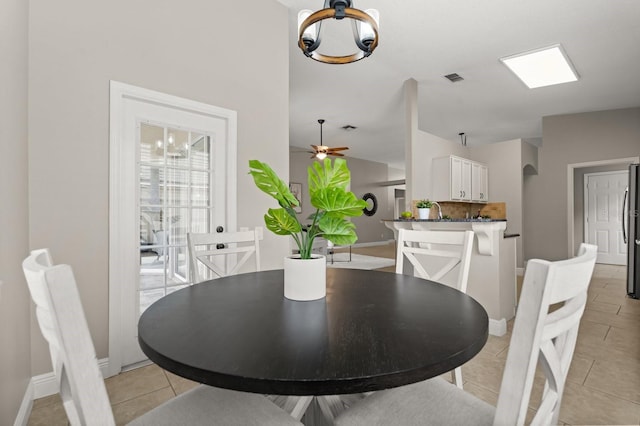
[(365, 30), (322, 151)]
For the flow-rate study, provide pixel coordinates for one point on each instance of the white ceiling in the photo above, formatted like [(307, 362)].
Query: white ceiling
[(425, 40)]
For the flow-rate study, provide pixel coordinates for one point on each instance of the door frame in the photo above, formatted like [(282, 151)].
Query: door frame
[(571, 196), (585, 209), (120, 211)]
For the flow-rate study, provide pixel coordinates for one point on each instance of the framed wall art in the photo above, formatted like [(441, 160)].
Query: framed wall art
[(296, 190)]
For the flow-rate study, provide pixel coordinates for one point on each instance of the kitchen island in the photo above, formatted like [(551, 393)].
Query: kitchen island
[(492, 274)]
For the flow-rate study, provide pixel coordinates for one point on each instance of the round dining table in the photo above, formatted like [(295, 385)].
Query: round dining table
[(373, 330)]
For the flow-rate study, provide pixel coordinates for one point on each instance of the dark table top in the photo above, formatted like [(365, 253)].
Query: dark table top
[(374, 330)]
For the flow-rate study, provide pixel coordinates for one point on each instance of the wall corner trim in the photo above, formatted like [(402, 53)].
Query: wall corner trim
[(22, 419)]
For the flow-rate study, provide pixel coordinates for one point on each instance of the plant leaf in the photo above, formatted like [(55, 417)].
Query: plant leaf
[(328, 176), (268, 181), (280, 222), (337, 202), (338, 231)]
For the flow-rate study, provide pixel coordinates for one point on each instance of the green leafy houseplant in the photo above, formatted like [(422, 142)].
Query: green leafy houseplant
[(424, 204), (328, 192)]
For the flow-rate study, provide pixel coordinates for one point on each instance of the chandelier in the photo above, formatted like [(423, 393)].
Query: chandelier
[(365, 30)]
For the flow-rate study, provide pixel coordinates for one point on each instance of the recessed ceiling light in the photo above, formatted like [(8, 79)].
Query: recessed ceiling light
[(542, 67)]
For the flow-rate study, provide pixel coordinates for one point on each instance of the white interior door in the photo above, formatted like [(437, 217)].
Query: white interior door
[(170, 163), (603, 215)]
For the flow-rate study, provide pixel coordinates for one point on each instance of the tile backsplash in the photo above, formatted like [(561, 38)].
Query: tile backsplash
[(458, 210)]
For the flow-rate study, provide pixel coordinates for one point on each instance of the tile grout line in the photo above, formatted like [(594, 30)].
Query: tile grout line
[(586, 376), (143, 394), (611, 395)]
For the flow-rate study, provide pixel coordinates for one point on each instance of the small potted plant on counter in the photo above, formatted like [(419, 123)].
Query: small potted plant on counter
[(424, 208)]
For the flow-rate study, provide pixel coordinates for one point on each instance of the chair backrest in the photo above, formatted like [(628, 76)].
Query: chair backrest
[(541, 335), (204, 251), (445, 249), (33, 267), (64, 325)]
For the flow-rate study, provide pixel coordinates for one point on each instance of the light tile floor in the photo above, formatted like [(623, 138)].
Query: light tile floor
[(603, 383)]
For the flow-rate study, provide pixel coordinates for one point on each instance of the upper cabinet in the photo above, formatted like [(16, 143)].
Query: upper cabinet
[(460, 179), (479, 180)]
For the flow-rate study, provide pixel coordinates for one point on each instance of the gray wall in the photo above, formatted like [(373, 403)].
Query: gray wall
[(201, 50), (15, 303), (504, 160), (426, 147), (298, 164), (365, 177), (570, 139)]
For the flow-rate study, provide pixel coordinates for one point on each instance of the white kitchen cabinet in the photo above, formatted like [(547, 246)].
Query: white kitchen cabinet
[(479, 180), (459, 179)]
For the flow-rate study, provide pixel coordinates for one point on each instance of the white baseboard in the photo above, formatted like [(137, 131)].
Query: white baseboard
[(373, 243), (46, 384), (22, 419), (497, 327)]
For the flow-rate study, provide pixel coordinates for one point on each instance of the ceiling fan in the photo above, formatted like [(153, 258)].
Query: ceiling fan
[(321, 151)]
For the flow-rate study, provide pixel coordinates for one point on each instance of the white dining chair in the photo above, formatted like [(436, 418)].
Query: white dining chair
[(441, 256), (538, 336), (213, 251), (85, 399)]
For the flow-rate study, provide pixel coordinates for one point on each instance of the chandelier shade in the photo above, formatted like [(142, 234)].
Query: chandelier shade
[(365, 30)]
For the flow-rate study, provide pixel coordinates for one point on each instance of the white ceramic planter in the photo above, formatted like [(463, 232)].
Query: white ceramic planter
[(423, 213), (305, 279)]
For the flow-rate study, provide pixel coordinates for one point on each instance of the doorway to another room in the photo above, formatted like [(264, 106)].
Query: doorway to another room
[(603, 194), (596, 218)]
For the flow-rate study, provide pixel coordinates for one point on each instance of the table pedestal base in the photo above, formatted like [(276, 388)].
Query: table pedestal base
[(315, 410)]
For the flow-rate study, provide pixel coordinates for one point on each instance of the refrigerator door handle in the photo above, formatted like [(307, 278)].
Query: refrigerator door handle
[(624, 214)]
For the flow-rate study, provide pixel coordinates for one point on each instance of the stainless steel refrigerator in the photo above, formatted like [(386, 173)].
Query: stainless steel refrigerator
[(631, 230)]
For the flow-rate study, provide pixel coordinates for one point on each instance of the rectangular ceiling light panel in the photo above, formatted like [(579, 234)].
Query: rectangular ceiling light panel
[(542, 67)]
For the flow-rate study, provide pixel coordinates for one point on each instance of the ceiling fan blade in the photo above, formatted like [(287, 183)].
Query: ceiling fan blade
[(340, 148), (337, 154), (315, 147)]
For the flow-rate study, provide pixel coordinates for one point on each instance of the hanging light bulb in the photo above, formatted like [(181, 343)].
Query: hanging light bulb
[(321, 155), (310, 34), (366, 33)]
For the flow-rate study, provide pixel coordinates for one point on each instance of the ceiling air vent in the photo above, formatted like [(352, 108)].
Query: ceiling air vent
[(453, 77)]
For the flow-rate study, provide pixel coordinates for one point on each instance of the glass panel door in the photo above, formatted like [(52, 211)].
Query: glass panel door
[(175, 187)]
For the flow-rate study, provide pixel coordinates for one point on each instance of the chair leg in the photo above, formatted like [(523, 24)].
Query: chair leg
[(457, 377), (300, 407)]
